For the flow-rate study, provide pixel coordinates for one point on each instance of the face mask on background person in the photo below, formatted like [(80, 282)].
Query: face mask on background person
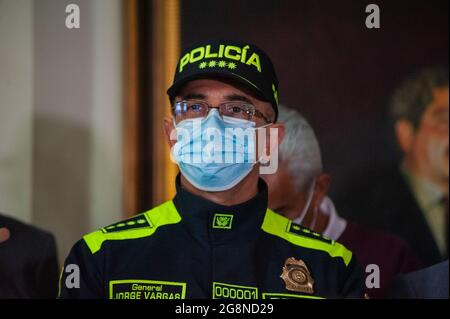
[(220, 163)]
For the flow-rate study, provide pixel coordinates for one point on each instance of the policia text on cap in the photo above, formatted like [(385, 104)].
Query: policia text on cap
[(216, 238)]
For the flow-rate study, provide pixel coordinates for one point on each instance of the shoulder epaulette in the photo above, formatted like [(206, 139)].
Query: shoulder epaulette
[(139, 226)]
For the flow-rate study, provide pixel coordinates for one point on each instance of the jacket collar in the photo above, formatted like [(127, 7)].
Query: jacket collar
[(216, 223)]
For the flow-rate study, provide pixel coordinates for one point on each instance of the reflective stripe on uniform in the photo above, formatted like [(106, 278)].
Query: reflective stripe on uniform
[(278, 225), (161, 215)]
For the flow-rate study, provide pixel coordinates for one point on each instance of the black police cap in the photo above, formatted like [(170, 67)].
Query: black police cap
[(240, 61)]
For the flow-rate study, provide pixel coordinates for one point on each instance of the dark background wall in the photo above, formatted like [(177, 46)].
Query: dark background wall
[(331, 68)]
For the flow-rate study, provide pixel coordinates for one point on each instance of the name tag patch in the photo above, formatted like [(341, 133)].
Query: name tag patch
[(146, 289)]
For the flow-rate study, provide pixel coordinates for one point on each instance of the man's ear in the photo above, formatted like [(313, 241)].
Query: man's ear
[(169, 131), (404, 132), (321, 188), (280, 136)]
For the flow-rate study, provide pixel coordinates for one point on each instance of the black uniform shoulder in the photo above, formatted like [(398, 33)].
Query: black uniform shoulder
[(33, 270), (23, 230), (139, 226), (27, 241)]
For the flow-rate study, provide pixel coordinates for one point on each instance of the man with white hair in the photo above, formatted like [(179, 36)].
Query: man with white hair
[(298, 191)]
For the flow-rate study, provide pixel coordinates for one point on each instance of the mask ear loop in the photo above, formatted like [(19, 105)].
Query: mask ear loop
[(300, 218), (313, 223)]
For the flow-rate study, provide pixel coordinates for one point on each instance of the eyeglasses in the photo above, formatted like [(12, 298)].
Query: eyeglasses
[(192, 109)]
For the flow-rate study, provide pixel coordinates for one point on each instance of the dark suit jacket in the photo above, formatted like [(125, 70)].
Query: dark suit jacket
[(28, 262), (428, 283), (383, 200), (392, 255)]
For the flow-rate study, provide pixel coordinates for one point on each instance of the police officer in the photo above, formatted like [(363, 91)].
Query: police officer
[(216, 238)]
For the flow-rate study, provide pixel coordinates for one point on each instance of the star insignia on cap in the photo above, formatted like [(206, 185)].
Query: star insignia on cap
[(202, 65), (232, 65), (222, 64), (212, 64)]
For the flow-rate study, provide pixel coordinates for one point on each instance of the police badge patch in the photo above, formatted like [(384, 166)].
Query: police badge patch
[(297, 276)]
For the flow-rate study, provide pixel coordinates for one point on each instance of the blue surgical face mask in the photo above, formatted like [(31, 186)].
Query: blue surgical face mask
[(215, 153)]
